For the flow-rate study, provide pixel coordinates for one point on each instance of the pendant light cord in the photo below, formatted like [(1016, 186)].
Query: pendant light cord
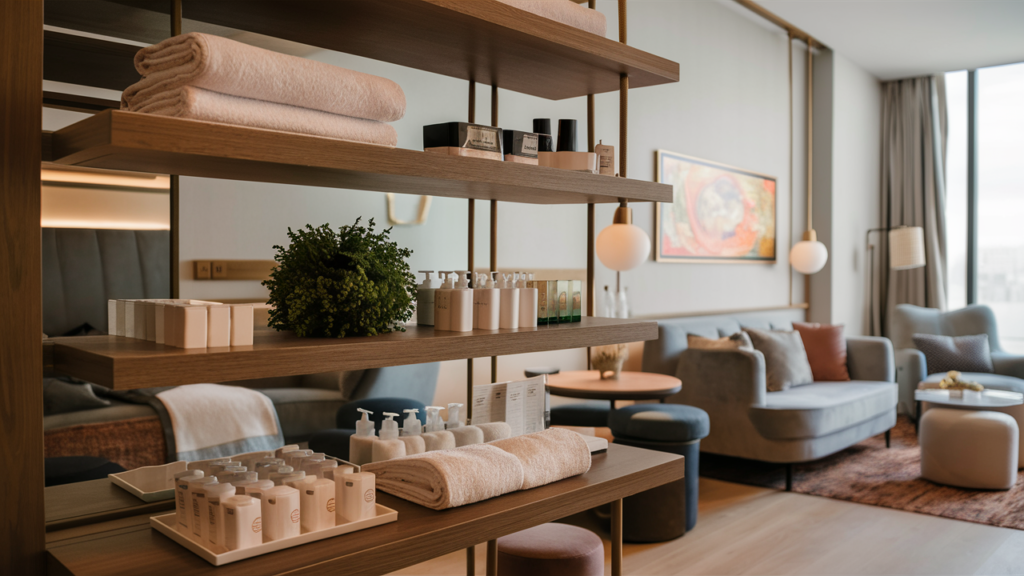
[(810, 136)]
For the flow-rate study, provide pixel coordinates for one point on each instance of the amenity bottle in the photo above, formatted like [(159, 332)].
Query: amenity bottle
[(443, 302), (316, 505), (388, 446), (360, 444), (486, 303), (412, 433), (509, 309), (243, 525), (527, 303), (464, 435), (281, 516), (215, 495), (425, 299), (436, 437), (462, 304)]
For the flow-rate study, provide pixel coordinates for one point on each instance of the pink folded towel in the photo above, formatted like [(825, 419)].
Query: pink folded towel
[(199, 104), (233, 68), (565, 11), (450, 478), (548, 456)]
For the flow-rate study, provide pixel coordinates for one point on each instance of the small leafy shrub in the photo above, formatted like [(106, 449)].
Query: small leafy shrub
[(352, 282)]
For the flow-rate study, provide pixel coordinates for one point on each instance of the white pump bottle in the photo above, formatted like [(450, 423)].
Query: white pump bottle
[(388, 446), (360, 445), (509, 319), (412, 431), (425, 299), (436, 437), (487, 303), (527, 303), (462, 305), (464, 435), (443, 302)]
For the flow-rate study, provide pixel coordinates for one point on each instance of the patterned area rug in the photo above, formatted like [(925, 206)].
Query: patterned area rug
[(868, 473)]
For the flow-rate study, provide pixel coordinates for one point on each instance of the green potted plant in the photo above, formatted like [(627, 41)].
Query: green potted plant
[(333, 284)]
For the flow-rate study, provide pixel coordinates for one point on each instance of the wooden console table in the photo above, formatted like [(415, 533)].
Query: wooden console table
[(419, 534)]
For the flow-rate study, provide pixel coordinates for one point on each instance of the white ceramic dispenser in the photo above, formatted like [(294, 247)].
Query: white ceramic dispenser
[(360, 444), (281, 516), (443, 302), (388, 446), (509, 313), (412, 433), (425, 299), (527, 303), (243, 524), (464, 435), (487, 303), (436, 437), (316, 504), (462, 304), (358, 497)]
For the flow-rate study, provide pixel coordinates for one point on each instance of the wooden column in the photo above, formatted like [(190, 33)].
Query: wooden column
[(22, 528)]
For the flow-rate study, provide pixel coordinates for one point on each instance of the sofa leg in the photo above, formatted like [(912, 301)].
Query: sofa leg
[(888, 438), (789, 477)]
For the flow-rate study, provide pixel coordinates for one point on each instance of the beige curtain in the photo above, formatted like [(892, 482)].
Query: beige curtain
[(913, 193)]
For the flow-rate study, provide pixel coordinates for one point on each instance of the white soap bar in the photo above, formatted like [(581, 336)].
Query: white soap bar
[(129, 318), (151, 320), (140, 319), (112, 317), (159, 325), (218, 326), (241, 324), (189, 326)]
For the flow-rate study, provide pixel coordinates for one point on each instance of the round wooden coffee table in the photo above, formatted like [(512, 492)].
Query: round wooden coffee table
[(630, 386)]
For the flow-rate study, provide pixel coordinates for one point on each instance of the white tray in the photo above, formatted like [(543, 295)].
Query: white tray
[(166, 525), (150, 483)]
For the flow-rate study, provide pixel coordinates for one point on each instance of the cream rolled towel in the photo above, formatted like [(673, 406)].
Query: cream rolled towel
[(565, 11), (237, 69), (450, 478), (548, 456), (199, 104), (495, 431)]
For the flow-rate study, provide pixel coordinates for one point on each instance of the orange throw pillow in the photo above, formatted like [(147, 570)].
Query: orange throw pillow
[(826, 350)]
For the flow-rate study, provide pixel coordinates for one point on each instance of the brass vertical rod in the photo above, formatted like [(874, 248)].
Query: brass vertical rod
[(792, 195), (175, 190), (175, 17), (623, 122), (617, 538), (591, 292), (492, 558), (622, 21), (590, 123), (472, 102), (471, 561)]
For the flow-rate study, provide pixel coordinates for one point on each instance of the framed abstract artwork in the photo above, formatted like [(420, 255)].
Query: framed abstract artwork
[(718, 213)]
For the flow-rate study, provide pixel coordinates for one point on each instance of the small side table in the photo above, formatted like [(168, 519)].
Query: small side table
[(630, 386)]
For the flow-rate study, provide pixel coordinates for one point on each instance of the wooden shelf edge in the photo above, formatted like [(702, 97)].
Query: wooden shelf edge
[(120, 140)]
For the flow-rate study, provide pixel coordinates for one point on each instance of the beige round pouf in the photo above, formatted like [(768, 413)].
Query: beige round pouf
[(969, 448)]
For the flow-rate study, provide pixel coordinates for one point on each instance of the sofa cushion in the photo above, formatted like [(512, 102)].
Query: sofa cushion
[(303, 411), (822, 408), (962, 353), (785, 359), (737, 341), (989, 381), (62, 395), (826, 350)]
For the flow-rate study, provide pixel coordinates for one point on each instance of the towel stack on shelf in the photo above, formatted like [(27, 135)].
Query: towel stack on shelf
[(203, 77)]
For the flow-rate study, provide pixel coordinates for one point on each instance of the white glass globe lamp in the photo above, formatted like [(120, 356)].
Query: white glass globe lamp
[(623, 246), (808, 256)]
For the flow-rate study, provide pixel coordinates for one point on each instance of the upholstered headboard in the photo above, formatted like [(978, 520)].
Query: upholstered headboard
[(82, 269)]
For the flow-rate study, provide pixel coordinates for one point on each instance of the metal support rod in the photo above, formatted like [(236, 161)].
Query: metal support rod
[(617, 538), (622, 21), (623, 122), (175, 197), (494, 231), (492, 558), (810, 136), (175, 17), (472, 102), (471, 561), (972, 186), (792, 196)]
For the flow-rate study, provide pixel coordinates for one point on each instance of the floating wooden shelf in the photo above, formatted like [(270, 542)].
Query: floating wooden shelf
[(145, 143), (481, 40), (125, 363)]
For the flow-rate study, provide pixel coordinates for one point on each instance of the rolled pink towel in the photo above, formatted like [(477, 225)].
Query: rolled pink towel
[(548, 456), (450, 478), (237, 69), (565, 11), (199, 104)]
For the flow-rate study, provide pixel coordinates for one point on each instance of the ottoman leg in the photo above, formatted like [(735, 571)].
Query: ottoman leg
[(617, 538), (492, 558), (888, 438)]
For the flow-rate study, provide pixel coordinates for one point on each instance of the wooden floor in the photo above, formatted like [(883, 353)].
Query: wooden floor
[(748, 530)]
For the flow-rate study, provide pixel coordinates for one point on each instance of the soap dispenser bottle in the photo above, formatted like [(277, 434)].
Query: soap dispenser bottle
[(464, 435), (462, 304), (425, 299), (443, 302), (388, 446), (360, 444), (487, 303), (527, 303), (412, 431), (436, 437), (509, 316)]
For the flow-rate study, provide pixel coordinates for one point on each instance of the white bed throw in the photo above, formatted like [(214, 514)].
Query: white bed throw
[(212, 421)]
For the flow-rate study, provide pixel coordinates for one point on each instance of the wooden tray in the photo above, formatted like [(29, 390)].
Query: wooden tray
[(166, 525)]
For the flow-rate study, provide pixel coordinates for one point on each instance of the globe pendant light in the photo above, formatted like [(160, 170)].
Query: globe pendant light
[(809, 256), (623, 246)]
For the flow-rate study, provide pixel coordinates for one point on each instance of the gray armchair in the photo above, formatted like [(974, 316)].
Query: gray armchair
[(911, 369)]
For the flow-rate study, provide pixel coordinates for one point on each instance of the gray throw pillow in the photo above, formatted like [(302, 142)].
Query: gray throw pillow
[(785, 359), (61, 395), (963, 353)]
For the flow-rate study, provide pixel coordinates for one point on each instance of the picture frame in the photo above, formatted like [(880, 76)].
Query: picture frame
[(720, 214)]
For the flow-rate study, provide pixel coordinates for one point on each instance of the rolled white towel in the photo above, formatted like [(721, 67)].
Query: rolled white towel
[(548, 456)]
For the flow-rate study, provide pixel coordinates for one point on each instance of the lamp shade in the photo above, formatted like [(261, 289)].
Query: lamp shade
[(906, 247), (808, 256), (623, 247)]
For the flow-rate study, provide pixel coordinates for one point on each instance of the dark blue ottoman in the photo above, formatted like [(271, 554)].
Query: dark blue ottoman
[(588, 414), (668, 511)]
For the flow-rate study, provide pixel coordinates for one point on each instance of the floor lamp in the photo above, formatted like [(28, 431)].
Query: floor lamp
[(906, 252)]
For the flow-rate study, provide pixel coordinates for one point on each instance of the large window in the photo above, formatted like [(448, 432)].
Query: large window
[(998, 190)]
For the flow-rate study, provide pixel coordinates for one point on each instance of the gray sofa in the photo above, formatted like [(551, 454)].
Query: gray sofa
[(911, 369), (800, 424)]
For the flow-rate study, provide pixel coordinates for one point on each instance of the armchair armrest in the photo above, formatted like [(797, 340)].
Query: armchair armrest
[(870, 358), (734, 377), (1008, 364), (911, 369)]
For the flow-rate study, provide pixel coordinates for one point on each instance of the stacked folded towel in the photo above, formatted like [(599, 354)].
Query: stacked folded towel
[(204, 77), (451, 478)]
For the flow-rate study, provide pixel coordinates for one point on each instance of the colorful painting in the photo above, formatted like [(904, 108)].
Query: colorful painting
[(718, 213)]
